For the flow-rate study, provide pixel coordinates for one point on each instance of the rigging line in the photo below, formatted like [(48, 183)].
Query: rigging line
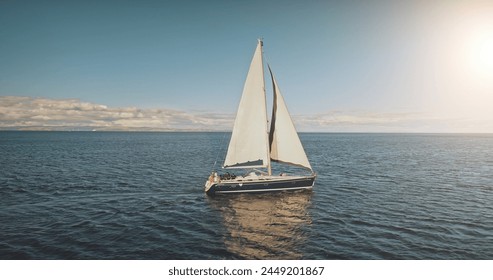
[(219, 151)]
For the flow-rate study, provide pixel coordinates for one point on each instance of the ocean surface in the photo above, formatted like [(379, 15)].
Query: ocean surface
[(105, 195)]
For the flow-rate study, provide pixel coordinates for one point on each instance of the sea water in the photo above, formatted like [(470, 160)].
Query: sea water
[(122, 195)]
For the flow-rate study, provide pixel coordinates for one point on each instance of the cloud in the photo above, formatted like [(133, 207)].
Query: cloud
[(406, 122), (28, 113), (21, 113), (357, 121)]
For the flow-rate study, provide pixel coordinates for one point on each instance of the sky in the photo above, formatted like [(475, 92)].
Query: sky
[(342, 66)]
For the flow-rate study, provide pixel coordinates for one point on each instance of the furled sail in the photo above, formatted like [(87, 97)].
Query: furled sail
[(285, 145), (248, 146)]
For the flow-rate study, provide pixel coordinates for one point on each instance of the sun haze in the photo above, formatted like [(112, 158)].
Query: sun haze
[(343, 66)]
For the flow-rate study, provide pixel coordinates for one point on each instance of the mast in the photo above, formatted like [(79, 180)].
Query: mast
[(269, 168)]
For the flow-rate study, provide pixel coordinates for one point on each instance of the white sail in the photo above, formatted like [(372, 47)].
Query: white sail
[(248, 146), (285, 145)]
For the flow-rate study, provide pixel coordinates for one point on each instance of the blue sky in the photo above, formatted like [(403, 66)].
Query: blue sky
[(365, 66)]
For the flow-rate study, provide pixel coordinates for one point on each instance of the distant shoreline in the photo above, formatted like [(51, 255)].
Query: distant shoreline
[(221, 131)]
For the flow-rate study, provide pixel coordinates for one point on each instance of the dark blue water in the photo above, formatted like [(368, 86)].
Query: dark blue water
[(91, 195)]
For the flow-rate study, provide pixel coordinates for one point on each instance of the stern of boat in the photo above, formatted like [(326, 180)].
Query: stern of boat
[(212, 180)]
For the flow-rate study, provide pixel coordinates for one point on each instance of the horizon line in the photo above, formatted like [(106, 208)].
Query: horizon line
[(229, 131)]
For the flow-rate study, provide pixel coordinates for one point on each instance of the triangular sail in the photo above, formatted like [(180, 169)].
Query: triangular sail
[(248, 146), (285, 145)]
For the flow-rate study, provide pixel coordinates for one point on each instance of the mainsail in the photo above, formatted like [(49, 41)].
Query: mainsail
[(285, 145), (248, 146)]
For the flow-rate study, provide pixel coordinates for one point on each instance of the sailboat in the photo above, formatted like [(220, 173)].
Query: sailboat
[(253, 146)]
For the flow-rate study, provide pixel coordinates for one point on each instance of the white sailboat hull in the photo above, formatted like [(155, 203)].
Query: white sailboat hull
[(261, 183)]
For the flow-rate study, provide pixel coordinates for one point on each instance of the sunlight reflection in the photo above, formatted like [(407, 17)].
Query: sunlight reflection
[(267, 226)]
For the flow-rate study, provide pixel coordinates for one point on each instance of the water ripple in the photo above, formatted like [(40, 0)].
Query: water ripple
[(140, 196)]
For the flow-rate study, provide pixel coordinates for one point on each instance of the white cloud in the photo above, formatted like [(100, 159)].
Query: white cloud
[(357, 121), (27, 113), (72, 114)]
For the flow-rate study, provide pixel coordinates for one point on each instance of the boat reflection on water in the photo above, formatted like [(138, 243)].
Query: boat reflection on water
[(266, 226)]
